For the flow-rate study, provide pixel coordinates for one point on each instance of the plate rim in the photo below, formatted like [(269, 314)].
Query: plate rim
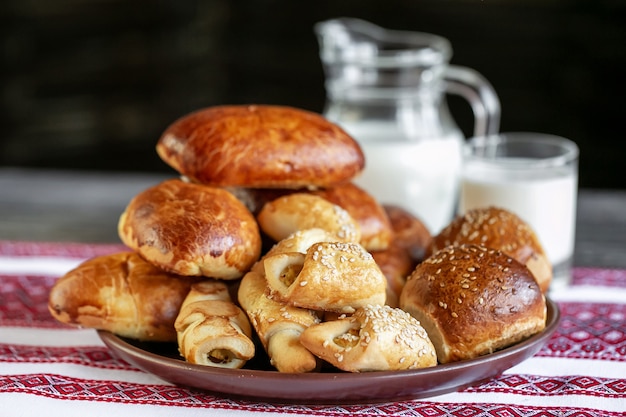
[(169, 369)]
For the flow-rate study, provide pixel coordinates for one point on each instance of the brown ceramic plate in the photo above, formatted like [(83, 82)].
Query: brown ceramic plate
[(331, 387)]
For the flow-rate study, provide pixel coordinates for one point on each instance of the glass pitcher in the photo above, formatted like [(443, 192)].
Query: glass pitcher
[(387, 89)]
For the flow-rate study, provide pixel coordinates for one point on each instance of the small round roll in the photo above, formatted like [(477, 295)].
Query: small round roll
[(500, 229), (191, 229), (374, 224), (408, 243), (300, 211), (260, 146), (473, 300), (371, 217)]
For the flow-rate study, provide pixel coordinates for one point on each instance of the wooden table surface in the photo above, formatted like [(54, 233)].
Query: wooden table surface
[(72, 206)]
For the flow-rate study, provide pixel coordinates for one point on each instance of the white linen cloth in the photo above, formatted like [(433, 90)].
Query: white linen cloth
[(49, 369)]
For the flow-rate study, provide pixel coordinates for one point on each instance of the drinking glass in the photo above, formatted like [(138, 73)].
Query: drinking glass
[(534, 175)]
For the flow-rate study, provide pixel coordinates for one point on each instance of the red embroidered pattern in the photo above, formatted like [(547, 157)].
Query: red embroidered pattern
[(95, 356), (62, 387), (587, 330)]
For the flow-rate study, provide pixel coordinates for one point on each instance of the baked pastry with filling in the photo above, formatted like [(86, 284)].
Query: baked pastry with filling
[(473, 301), (211, 329), (260, 146), (121, 293), (374, 338), (191, 229)]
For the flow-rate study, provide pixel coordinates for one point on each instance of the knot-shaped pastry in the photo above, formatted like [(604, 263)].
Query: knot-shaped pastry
[(278, 326), (374, 338), (331, 276)]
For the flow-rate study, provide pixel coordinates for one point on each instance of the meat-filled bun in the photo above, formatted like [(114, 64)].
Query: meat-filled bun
[(260, 146), (191, 229), (473, 301)]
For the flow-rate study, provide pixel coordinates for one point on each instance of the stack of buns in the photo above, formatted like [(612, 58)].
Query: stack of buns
[(263, 237)]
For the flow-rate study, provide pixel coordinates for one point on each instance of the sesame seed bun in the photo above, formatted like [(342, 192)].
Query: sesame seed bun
[(473, 301), (500, 229)]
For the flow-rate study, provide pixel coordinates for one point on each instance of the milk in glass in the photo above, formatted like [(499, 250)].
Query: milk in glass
[(547, 204)]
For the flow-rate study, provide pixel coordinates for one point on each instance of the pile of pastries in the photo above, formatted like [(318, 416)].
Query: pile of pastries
[(263, 242)]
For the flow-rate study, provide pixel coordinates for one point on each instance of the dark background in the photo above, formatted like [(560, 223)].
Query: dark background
[(92, 84)]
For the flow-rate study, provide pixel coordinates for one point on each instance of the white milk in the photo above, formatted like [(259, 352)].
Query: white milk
[(420, 176), (548, 205)]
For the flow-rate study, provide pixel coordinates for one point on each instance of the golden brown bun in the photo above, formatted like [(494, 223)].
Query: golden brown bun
[(260, 146), (371, 217), (331, 276), (409, 241), (473, 301), (498, 229), (191, 229), (300, 211), (278, 326), (374, 338), (396, 264), (121, 293), (369, 214), (409, 231), (212, 330)]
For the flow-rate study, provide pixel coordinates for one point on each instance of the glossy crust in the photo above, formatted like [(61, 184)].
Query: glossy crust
[(331, 276), (191, 229), (498, 229), (123, 294), (278, 326), (374, 338), (473, 301), (409, 242), (211, 329), (260, 146), (374, 224), (409, 231)]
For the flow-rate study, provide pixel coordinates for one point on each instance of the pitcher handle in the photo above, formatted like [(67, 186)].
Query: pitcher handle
[(481, 96)]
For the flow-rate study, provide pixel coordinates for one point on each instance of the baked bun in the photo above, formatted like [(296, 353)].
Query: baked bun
[(260, 146), (409, 231), (374, 338), (407, 247), (331, 276), (371, 217), (396, 264), (123, 294), (191, 229), (473, 301), (500, 229), (299, 211)]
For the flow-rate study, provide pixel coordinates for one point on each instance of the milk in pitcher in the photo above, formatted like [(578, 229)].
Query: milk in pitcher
[(420, 175)]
